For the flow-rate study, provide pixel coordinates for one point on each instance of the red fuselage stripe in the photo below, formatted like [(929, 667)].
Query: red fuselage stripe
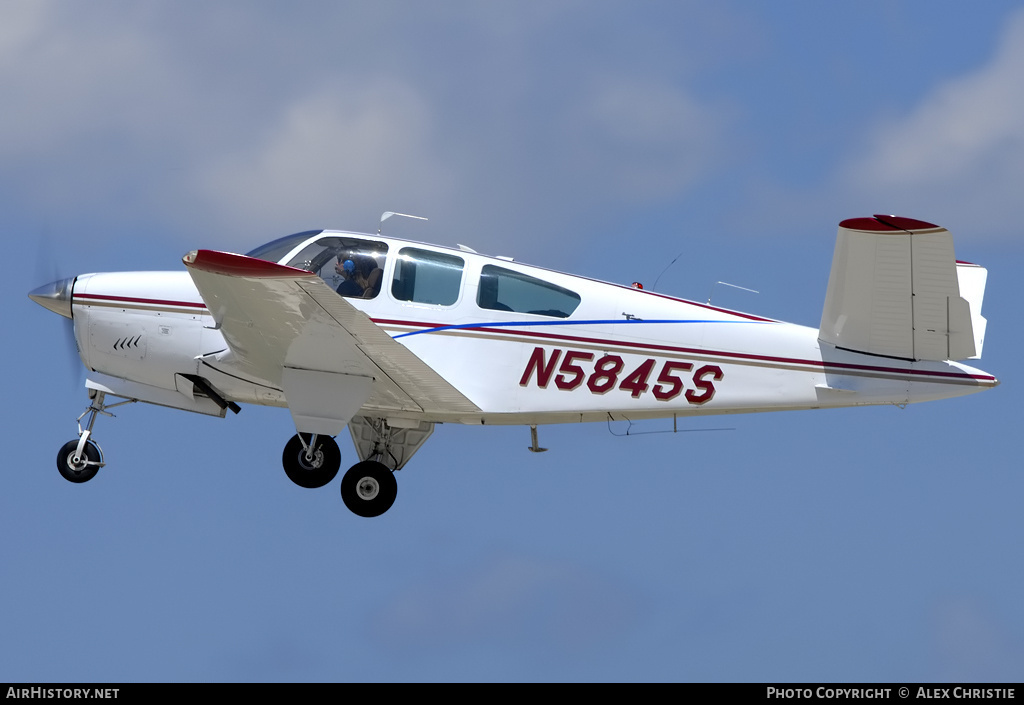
[(699, 351), (555, 337), (134, 300)]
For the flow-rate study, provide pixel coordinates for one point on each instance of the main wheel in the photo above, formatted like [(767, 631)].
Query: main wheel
[(86, 467), (369, 488), (315, 470)]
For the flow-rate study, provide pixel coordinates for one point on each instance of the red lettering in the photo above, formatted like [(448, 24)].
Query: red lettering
[(675, 388), (563, 382), (607, 370), (570, 375), (544, 371), (708, 388), (636, 382)]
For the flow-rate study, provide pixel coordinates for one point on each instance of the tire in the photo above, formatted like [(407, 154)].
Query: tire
[(369, 488), (82, 472), (316, 473)]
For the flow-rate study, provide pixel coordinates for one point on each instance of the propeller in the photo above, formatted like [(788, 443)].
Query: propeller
[(56, 297)]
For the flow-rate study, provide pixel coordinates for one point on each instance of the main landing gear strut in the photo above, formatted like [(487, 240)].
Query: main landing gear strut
[(79, 460), (369, 487)]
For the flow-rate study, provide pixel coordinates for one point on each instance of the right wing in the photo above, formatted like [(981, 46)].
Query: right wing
[(288, 327)]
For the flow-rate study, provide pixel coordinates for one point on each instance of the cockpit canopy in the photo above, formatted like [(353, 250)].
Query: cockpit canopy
[(275, 250), (352, 266), (356, 267)]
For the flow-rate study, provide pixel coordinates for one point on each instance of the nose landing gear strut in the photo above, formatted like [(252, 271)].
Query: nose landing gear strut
[(79, 460)]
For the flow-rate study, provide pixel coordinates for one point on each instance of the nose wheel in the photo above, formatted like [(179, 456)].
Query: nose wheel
[(79, 465), (79, 460), (369, 488)]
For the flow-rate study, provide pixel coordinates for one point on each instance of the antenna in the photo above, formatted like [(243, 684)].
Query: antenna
[(753, 291), (387, 214), (655, 287)]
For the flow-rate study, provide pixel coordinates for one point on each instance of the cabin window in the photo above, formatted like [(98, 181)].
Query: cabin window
[(427, 277), (352, 267), (505, 290)]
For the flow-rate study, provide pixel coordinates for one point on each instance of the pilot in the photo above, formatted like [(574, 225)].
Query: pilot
[(349, 286)]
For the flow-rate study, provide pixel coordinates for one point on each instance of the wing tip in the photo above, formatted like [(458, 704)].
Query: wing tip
[(887, 223), (230, 264)]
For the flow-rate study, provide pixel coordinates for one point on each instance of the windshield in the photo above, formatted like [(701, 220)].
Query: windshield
[(351, 266), (275, 250)]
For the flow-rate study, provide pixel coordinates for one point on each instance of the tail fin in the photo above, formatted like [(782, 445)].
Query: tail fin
[(895, 289)]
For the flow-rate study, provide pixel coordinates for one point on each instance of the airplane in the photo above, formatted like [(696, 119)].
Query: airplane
[(389, 337)]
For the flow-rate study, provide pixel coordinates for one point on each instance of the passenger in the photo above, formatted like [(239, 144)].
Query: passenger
[(349, 286), (368, 275)]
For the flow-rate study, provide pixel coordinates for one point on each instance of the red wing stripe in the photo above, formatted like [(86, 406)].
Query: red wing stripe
[(233, 265)]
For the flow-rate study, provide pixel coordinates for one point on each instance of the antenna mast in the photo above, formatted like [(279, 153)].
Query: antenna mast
[(387, 214)]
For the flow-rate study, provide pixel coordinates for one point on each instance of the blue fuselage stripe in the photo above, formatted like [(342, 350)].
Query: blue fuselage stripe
[(530, 324)]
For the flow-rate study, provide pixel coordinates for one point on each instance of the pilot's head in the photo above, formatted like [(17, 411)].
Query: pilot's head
[(346, 267)]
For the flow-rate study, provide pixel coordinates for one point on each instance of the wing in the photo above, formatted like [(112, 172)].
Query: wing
[(288, 327)]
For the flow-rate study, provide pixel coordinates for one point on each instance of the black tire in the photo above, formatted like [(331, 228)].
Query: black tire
[(369, 488), (81, 472), (316, 473)]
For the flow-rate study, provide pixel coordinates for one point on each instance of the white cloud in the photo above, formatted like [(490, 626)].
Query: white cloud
[(646, 140), (65, 81), (22, 22), (95, 114), (334, 152), (499, 125), (961, 149)]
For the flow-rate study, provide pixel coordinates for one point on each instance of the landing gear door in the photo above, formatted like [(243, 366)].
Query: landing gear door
[(391, 442)]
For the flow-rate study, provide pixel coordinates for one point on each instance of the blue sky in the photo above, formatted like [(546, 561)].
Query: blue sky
[(600, 138)]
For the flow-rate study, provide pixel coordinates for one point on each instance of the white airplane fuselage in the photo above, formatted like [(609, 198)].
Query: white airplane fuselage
[(623, 353)]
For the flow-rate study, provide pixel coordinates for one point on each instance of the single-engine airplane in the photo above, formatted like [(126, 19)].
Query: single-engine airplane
[(390, 337)]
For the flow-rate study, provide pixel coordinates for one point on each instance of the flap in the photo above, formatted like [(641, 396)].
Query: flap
[(323, 402)]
